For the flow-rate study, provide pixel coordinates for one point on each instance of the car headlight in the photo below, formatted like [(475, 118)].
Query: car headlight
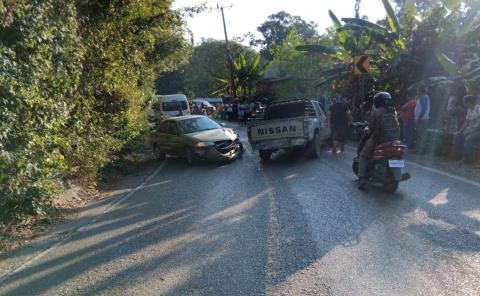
[(204, 144)]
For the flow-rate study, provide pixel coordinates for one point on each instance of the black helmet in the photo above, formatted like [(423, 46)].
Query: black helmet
[(382, 99)]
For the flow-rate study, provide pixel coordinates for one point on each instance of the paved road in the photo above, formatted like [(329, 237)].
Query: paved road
[(289, 227)]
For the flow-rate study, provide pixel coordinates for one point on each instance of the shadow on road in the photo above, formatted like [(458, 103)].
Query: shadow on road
[(215, 230), (174, 234)]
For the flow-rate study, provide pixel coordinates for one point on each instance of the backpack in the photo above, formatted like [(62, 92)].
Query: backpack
[(390, 126)]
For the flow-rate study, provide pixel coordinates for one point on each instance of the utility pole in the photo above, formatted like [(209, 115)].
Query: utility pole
[(228, 54)]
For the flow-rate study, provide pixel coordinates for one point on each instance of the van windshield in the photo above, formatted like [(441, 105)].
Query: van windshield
[(174, 105)]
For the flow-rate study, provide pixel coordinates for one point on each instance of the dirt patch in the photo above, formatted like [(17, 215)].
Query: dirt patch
[(64, 209), (66, 206)]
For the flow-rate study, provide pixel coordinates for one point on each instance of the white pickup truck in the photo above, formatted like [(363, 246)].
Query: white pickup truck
[(287, 125)]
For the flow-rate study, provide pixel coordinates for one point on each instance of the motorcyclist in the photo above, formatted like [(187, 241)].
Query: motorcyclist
[(383, 127)]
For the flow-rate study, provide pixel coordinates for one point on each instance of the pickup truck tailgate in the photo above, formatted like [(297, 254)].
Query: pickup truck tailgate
[(276, 129)]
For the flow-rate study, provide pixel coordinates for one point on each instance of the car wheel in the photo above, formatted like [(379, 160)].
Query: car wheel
[(315, 146), (265, 155), (159, 154), (190, 156)]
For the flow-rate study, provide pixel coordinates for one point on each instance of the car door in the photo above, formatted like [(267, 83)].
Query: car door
[(161, 136), (175, 139), (324, 128)]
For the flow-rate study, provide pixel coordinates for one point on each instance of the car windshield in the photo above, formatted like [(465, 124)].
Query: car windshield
[(174, 105), (198, 124)]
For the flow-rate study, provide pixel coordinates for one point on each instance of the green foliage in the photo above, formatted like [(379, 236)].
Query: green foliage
[(73, 77), (40, 68), (276, 28), (391, 17), (342, 35), (246, 74), (450, 66), (197, 78), (301, 70)]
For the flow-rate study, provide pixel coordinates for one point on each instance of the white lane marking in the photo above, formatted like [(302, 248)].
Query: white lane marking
[(93, 220), (436, 171), (273, 250), (445, 174), (273, 243)]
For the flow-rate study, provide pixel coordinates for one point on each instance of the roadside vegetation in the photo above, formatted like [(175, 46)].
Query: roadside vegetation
[(73, 79)]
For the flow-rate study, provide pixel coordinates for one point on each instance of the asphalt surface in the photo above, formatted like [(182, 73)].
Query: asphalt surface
[(293, 226)]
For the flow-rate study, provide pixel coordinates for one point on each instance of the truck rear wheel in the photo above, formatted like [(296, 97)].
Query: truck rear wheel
[(314, 148), (265, 154)]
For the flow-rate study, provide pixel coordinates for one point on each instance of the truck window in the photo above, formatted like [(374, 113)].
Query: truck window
[(309, 109), (286, 110), (319, 109)]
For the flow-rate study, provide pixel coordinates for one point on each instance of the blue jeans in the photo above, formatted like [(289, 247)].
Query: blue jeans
[(465, 145), (409, 133)]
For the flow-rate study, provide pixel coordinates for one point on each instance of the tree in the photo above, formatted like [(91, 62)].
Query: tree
[(356, 36), (74, 75), (197, 77), (276, 28), (299, 70), (246, 75)]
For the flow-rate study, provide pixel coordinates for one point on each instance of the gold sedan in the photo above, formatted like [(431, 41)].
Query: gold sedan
[(195, 137)]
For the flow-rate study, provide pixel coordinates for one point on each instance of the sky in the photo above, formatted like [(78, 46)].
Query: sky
[(246, 15)]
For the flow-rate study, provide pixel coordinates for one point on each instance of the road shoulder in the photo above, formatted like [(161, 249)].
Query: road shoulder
[(87, 214)]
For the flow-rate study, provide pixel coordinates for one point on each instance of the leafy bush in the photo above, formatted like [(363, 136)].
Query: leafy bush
[(73, 77)]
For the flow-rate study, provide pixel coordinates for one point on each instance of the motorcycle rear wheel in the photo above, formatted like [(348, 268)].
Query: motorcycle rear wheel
[(390, 187)]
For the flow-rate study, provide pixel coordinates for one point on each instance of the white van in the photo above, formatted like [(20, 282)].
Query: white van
[(166, 106)]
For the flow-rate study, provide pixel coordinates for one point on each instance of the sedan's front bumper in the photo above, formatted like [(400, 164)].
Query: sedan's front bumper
[(212, 154)]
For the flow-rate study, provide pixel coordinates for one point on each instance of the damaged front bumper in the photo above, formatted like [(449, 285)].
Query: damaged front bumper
[(220, 152)]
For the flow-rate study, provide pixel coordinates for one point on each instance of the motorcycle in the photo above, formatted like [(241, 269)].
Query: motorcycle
[(386, 165)]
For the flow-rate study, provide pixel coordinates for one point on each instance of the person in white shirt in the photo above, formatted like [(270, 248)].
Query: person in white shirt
[(422, 117), (469, 134)]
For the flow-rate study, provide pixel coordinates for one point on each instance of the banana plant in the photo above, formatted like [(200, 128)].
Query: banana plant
[(356, 36), (246, 75)]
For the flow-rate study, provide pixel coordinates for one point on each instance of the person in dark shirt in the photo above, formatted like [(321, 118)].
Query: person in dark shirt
[(339, 117)]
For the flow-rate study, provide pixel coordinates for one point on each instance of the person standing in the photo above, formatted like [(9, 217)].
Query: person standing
[(230, 111), (469, 134), (422, 117), (339, 118), (408, 120), (241, 112), (456, 111)]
